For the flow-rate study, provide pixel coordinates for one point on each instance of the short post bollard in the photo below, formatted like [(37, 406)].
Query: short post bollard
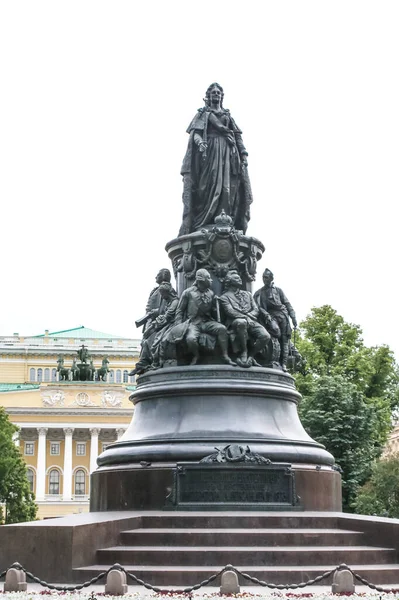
[(116, 583), (15, 581), (343, 582), (229, 583)]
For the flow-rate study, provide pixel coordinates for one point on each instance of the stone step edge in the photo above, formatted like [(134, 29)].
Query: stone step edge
[(244, 548), (245, 569), (233, 530)]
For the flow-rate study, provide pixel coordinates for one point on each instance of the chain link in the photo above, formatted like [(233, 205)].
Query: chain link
[(189, 590)]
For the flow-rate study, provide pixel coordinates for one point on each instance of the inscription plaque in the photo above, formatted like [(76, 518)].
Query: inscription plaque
[(227, 486)]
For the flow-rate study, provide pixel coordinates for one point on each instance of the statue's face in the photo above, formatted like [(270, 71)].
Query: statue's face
[(161, 276), (267, 278), (164, 293), (215, 95), (204, 280), (236, 280)]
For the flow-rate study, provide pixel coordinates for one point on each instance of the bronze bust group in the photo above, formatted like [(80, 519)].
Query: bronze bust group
[(235, 328)]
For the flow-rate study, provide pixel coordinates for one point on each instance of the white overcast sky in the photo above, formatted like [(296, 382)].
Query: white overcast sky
[(95, 100)]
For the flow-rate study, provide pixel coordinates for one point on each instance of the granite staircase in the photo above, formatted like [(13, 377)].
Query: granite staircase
[(184, 548)]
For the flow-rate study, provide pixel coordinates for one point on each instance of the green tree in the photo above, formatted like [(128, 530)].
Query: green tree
[(14, 486), (334, 348), (380, 495), (331, 346), (337, 415)]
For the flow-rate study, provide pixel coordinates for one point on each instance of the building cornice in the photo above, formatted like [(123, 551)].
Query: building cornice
[(70, 412), (71, 352)]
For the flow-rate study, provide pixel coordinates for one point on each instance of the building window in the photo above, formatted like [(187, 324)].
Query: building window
[(80, 449), (118, 376), (54, 482), (55, 448), (32, 375), (40, 374), (30, 475), (125, 377), (54, 375), (80, 483), (29, 448), (111, 376), (131, 378), (46, 374)]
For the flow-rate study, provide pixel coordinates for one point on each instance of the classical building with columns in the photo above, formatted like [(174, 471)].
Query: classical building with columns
[(64, 425)]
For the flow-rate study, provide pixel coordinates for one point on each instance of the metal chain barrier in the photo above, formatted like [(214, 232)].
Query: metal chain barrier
[(189, 590)]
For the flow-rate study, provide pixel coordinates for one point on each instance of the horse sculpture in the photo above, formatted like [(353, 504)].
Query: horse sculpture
[(63, 372), (75, 371), (90, 370), (103, 370)]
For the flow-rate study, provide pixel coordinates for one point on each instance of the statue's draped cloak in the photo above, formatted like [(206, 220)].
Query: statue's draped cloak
[(216, 180)]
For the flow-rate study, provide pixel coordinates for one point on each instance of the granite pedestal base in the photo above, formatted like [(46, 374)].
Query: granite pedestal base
[(183, 413)]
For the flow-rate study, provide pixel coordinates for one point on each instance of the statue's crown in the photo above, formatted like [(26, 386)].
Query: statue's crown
[(223, 220)]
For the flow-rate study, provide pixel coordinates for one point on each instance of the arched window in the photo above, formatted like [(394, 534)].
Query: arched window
[(40, 374), (118, 376), (32, 375), (46, 374), (131, 378), (54, 482), (125, 377), (53, 374), (111, 376), (80, 483), (30, 475)]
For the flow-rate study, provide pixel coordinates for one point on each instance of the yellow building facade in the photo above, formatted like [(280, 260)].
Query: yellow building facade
[(65, 425)]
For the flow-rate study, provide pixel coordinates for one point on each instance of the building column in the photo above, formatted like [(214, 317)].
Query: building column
[(94, 448), (67, 487), (41, 464), (119, 433)]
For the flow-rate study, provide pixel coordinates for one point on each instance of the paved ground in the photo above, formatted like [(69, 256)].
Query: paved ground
[(207, 590)]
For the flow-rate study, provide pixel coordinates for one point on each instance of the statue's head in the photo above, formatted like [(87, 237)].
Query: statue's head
[(216, 90), (166, 290), (232, 279), (267, 276), (203, 278), (163, 275)]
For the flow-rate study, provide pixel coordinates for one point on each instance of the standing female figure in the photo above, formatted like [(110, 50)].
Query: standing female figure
[(214, 170)]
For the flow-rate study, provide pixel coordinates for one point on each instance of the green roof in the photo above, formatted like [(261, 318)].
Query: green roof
[(14, 387), (81, 333)]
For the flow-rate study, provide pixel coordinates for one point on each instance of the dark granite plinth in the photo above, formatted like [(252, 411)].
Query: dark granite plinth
[(137, 487), (183, 414)]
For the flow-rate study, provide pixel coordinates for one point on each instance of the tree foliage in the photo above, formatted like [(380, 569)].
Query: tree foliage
[(353, 377), (380, 495), (337, 415), (14, 486)]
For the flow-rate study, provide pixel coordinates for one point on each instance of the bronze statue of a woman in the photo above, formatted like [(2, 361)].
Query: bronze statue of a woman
[(214, 170)]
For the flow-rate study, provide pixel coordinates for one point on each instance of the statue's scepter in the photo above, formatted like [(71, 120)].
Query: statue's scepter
[(205, 136), (217, 309)]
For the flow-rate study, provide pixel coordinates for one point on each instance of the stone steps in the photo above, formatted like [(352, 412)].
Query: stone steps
[(239, 520), (239, 537), (244, 555), (183, 549)]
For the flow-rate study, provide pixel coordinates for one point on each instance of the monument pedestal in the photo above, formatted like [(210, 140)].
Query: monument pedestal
[(228, 416)]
